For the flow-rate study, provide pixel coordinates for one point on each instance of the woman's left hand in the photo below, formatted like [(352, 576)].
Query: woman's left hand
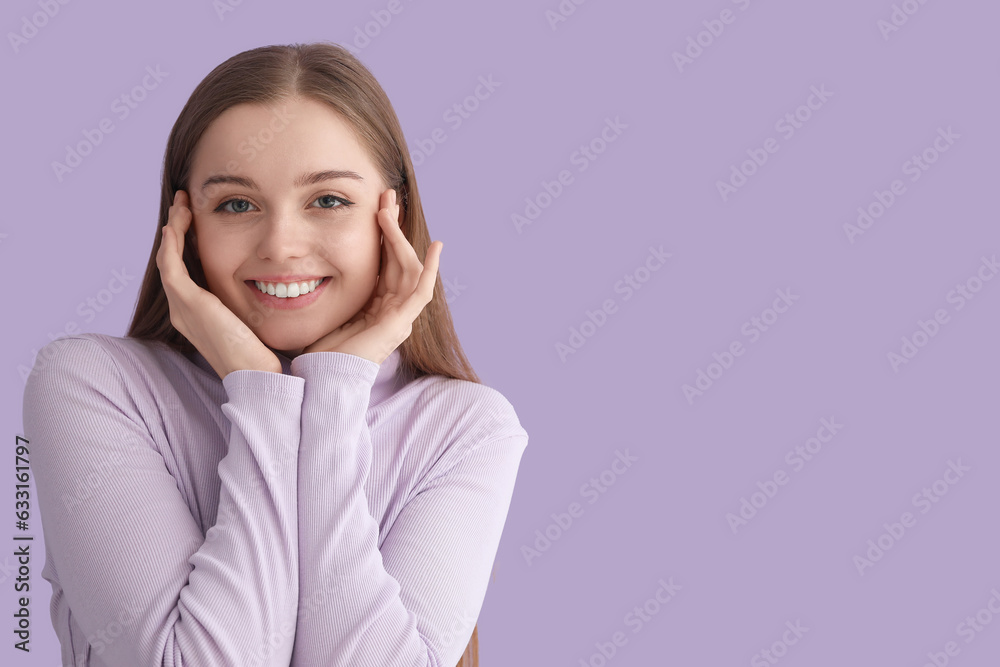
[(404, 287)]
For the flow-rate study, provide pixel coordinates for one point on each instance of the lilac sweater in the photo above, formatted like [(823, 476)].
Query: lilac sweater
[(339, 513)]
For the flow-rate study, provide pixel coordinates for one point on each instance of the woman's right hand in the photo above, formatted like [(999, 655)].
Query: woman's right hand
[(225, 341)]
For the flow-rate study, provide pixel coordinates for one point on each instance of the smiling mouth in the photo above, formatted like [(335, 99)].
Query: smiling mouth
[(287, 290)]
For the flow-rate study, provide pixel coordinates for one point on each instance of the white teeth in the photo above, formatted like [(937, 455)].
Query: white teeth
[(290, 290)]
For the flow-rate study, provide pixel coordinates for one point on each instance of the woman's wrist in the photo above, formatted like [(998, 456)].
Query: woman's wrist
[(272, 364)]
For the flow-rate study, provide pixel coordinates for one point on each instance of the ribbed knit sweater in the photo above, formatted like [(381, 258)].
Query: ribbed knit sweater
[(338, 513)]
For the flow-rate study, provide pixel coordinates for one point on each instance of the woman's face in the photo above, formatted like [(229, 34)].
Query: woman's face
[(286, 194)]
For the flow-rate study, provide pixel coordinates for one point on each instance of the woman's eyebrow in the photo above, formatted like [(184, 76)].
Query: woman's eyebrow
[(302, 181)]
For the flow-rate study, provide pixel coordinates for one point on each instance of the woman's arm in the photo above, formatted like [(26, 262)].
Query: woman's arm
[(130, 555), (416, 602)]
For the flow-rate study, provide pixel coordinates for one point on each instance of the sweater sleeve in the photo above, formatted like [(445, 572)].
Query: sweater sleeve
[(415, 602), (141, 580)]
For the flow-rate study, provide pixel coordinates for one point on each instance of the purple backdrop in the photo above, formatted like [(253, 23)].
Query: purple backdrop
[(733, 262)]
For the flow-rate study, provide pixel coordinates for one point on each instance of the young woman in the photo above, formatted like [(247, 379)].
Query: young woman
[(288, 460)]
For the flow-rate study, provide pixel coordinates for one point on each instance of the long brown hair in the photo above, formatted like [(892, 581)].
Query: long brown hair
[(326, 73)]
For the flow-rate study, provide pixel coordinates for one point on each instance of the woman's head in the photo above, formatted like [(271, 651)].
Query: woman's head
[(285, 195), (255, 125)]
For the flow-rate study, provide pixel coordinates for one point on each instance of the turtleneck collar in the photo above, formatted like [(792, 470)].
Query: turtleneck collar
[(388, 381)]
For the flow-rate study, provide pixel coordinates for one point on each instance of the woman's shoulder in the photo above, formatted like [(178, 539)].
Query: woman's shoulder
[(446, 420), (107, 359), (474, 411), (94, 347)]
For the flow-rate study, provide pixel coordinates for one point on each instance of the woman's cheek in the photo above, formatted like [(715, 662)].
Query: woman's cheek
[(352, 238)]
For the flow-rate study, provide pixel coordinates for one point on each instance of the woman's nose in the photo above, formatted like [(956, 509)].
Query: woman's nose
[(283, 235)]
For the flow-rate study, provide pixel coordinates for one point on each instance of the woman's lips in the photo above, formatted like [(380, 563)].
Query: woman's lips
[(291, 302)]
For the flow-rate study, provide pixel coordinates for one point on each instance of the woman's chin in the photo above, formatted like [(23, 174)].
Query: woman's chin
[(290, 340), (290, 346), (291, 354)]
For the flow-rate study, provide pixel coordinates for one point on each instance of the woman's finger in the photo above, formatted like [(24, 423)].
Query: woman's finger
[(171, 263), (166, 256), (415, 301), (391, 271), (380, 288), (181, 220), (384, 267), (404, 267)]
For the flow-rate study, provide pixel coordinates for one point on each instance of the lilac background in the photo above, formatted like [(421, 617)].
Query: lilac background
[(516, 294)]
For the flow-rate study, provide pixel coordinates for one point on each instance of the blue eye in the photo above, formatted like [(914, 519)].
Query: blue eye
[(222, 207), (241, 205), (332, 199)]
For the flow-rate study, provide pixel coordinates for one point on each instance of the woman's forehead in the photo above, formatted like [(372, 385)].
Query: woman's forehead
[(282, 144)]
